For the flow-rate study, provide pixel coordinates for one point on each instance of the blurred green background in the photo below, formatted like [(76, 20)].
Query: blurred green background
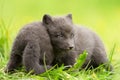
[(102, 16)]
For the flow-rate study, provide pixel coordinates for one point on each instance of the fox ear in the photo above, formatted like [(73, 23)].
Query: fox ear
[(69, 16), (47, 19)]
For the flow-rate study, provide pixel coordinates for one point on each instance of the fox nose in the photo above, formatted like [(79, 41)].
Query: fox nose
[(71, 47)]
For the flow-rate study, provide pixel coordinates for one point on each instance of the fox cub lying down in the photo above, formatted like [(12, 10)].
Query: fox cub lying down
[(57, 40)]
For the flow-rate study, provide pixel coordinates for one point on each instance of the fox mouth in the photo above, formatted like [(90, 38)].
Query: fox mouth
[(65, 49), (62, 49)]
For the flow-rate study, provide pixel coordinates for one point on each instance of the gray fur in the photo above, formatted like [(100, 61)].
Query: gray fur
[(59, 40), (29, 48), (69, 40)]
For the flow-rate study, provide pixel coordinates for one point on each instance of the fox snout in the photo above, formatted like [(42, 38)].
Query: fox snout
[(70, 45)]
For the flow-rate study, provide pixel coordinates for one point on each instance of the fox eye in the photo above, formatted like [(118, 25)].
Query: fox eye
[(59, 35), (72, 35)]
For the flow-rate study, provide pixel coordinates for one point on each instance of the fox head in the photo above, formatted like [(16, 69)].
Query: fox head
[(61, 31)]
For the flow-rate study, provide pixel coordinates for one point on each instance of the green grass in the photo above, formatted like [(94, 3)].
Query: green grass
[(102, 16), (59, 74)]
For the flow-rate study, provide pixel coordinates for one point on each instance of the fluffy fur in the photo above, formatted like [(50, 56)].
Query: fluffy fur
[(57, 41)]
